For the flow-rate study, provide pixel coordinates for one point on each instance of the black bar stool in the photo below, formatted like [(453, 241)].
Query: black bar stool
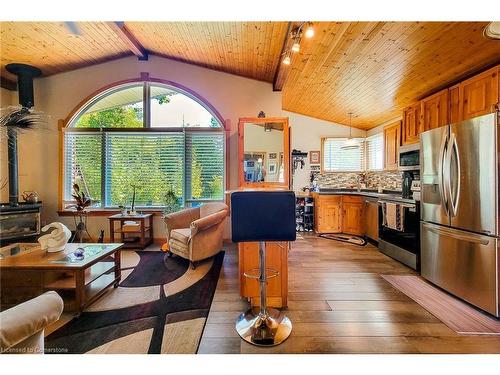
[(263, 216)]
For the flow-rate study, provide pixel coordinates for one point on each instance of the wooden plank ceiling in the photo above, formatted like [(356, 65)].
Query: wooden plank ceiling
[(372, 69)]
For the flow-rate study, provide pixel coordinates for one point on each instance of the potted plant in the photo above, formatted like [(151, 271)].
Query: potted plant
[(82, 202)]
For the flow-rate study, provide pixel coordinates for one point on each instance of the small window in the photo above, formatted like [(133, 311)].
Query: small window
[(337, 158), (375, 152)]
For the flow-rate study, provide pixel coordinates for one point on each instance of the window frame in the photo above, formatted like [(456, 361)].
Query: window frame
[(323, 139), (66, 126)]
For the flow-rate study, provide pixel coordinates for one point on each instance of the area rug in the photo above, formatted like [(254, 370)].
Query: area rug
[(456, 314), (355, 240), (160, 306)]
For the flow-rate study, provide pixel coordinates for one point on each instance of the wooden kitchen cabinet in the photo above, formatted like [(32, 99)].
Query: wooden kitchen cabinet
[(277, 259), (435, 110), (339, 214), (392, 139), (371, 219), (328, 213), (352, 215), (479, 94), (411, 124), (454, 104)]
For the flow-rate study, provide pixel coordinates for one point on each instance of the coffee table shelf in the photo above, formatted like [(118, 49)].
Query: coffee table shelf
[(69, 282)]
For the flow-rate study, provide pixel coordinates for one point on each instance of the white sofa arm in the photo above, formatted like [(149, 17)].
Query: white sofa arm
[(23, 321)]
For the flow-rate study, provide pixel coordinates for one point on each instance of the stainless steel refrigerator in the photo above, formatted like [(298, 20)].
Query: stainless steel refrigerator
[(459, 227)]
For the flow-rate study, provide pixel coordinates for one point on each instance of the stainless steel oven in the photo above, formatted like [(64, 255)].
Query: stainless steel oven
[(409, 158), (402, 245)]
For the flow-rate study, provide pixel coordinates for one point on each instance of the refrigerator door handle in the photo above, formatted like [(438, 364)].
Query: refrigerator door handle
[(454, 234), (441, 174), (453, 150)]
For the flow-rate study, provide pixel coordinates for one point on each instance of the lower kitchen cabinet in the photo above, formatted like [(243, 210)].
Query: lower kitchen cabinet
[(328, 213), (339, 214), (371, 219), (352, 215)]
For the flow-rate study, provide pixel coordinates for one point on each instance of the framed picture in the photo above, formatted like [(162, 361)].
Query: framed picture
[(273, 155), (314, 157), (272, 167)]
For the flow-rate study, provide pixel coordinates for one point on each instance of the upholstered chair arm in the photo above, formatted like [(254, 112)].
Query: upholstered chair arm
[(181, 219), (26, 319), (207, 221)]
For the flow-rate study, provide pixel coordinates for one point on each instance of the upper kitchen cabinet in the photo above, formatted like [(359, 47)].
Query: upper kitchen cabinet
[(454, 104), (411, 124), (479, 94), (435, 110), (392, 139)]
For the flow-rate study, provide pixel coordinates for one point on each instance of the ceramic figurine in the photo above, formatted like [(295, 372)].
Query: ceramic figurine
[(55, 240)]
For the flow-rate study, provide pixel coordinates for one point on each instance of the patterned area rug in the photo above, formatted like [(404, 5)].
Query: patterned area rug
[(160, 306)]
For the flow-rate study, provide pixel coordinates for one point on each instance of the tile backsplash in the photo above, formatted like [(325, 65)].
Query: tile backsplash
[(372, 180)]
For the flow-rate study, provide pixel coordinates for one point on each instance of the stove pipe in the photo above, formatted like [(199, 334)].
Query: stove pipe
[(25, 74)]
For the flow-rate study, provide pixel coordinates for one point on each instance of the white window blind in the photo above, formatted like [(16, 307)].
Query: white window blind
[(152, 162), (107, 165), (375, 152), (82, 164), (205, 165), (338, 159)]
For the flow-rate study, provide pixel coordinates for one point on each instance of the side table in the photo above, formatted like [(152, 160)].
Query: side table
[(144, 234)]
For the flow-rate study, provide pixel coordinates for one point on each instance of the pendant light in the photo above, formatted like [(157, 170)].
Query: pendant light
[(350, 143)]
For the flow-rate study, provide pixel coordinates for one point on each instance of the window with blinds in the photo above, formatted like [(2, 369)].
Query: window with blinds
[(108, 165), (205, 166), (150, 162), (375, 152), (82, 165), (111, 148), (339, 159)]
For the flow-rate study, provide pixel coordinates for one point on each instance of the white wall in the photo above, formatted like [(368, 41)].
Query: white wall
[(306, 136), (57, 96)]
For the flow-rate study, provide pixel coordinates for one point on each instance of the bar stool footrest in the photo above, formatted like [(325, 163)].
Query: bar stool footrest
[(254, 273)]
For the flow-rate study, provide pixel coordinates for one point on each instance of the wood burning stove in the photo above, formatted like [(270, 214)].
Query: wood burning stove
[(19, 221)]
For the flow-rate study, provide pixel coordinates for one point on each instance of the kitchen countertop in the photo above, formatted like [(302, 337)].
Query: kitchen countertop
[(391, 195)]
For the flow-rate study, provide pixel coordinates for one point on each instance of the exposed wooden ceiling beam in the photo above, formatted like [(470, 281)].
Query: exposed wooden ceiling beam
[(282, 70), (8, 84), (130, 40)]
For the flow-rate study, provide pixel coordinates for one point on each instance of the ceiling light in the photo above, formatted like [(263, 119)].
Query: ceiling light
[(492, 30), (268, 127), (309, 31), (350, 142), (296, 46), (287, 60)]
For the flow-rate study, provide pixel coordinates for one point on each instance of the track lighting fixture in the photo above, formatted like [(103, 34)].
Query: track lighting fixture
[(287, 59), (309, 30), (296, 37)]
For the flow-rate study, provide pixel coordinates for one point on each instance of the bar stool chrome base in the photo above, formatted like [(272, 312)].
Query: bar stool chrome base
[(269, 329)]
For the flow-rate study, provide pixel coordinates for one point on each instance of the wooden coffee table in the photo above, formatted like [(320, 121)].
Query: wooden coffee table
[(26, 272)]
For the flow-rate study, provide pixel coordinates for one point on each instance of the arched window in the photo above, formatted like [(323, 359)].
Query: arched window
[(144, 136)]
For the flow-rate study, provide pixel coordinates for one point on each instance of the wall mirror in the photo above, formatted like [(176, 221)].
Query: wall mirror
[(264, 152)]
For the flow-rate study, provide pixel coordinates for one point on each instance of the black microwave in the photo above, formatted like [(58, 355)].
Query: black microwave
[(409, 157)]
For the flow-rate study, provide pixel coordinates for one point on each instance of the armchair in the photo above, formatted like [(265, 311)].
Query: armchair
[(22, 326), (196, 233)]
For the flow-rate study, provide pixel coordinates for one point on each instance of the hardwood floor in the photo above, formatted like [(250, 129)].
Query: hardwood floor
[(338, 303)]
